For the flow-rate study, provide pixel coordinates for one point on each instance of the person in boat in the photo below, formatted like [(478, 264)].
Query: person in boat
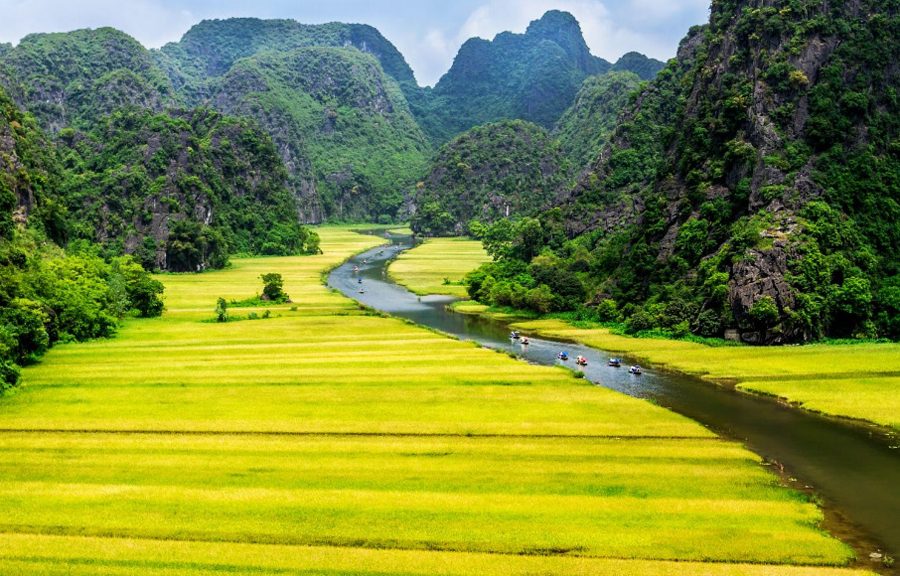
[(356, 268), (563, 355), (615, 362), (581, 361), (635, 369), (525, 341), (359, 281), (514, 335)]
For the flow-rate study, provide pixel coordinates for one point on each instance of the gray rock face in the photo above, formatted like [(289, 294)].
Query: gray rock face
[(761, 274)]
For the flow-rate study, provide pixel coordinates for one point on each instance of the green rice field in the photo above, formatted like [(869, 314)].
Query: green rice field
[(438, 265), (326, 441), (860, 381)]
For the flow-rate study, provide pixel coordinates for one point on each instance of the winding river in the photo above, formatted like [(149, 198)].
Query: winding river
[(853, 468)]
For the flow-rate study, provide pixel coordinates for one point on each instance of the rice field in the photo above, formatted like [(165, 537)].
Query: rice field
[(860, 381), (438, 266), (327, 441)]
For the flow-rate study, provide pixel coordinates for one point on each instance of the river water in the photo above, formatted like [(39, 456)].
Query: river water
[(853, 468)]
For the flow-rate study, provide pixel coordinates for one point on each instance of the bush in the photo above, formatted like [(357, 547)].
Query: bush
[(272, 288), (221, 310), (764, 313), (608, 311), (9, 375)]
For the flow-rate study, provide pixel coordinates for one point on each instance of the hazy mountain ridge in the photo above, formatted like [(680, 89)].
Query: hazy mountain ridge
[(532, 76)]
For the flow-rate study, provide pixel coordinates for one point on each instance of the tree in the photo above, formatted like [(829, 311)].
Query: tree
[(221, 310), (764, 313), (273, 285), (144, 293)]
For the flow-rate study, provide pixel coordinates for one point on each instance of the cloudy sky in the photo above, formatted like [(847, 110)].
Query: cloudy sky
[(428, 32)]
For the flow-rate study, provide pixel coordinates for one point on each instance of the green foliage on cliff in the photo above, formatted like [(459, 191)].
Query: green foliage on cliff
[(181, 190), (509, 168), (720, 203), (209, 49), (74, 78), (46, 294), (586, 126), (532, 76), (336, 109)]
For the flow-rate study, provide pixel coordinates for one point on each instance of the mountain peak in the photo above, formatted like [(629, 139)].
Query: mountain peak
[(564, 30), (555, 22)]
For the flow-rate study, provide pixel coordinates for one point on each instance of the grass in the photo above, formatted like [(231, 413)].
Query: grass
[(438, 266), (859, 381), (328, 441)]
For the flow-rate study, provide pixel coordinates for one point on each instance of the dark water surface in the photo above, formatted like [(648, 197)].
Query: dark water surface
[(854, 468)]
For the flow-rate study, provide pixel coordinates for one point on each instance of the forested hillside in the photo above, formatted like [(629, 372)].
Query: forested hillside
[(179, 190), (332, 98), (504, 169), (46, 294), (753, 185), (342, 125), (585, 127), (75, 78), (532, 76)]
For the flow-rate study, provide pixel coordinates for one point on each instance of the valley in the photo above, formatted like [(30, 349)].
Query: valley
[(325, 426)]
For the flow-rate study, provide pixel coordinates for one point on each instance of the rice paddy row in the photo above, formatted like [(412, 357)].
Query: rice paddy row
[(327, 441), (438, 266)]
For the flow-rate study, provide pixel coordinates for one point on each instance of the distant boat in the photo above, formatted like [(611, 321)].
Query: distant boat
[(636, 370), (614, 362)]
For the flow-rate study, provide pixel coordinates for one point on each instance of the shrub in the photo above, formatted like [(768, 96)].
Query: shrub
[(273, 288), (221, 310)]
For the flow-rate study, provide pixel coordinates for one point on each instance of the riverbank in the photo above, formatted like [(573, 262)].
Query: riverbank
[(438, 266), (354, 441), (857, 381)]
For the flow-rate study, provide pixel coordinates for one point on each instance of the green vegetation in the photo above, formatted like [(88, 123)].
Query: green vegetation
[(209, 49), (585, 127), (48, 295), (702, 218), (76, 78), (854, 380), (490, 172), (180, 190), (532, 76), (438, 266), (344, 123), (350, 439)]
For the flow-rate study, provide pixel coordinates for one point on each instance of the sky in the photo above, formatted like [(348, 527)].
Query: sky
[(427, 32)]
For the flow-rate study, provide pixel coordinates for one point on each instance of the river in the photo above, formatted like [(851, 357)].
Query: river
[(853, 468)]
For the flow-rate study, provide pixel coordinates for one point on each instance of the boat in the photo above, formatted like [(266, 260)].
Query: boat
[(636, 370), (563, 356), (581, 361), (525, 342), (614, 362), (514, 335)]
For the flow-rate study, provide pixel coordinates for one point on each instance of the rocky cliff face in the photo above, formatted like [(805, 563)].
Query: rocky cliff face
[(29, 174), (745, 157)]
